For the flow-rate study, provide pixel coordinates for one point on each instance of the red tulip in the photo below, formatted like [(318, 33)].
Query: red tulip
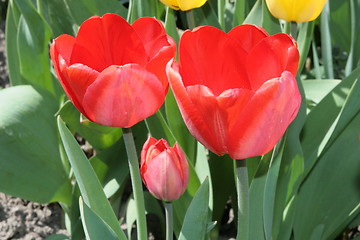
[(236, 91), (164, 169), (114, 72)]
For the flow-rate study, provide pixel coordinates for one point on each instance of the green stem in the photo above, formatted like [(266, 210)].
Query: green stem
[(326, 42), (242, 187), (190, 19), (316, 61), (221, 13), (169, 220), (293, 30), (350, 60), (136, 183), (287, 27)]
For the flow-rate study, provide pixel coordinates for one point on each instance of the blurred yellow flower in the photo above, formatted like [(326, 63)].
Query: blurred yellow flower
[(183, 5), (296, 10)]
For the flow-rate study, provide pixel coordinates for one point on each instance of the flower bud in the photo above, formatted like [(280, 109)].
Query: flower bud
[(164, 169)]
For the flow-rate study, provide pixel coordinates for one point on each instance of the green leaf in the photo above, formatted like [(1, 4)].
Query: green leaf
[(222, 174), (94, 226), (319, 123), (350, 109), (158, 128), (170, 24), (316, 90), (304, 39), (57, 16), (90, 187), (196, 218), (57, 237), (152, 206), (12, 58), (260, 16), (30, 164), (256, 199), (111, 167), (206, 16), (270, 188), (81, 10), (33, 36), (330, 193), (100, 137)]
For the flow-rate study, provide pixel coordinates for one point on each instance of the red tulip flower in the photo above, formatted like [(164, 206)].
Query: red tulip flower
[(164, 169), (114, 72), (236, 91)]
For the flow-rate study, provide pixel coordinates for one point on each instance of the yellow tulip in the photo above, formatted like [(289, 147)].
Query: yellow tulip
[(183, 5), (296, 10)]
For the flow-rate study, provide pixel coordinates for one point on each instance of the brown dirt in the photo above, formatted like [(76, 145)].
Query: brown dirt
[(24, 220)]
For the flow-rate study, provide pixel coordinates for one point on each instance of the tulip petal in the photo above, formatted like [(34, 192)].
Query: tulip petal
[(123, 95), (212, 58), (79, 78), (293, 10), (196, 122), (152, 34), (186, 5), (233, 102), (162, 177), (60, 52), (182, 164), (63, 46), (272, 56), (265, 118), (174, 4), (149, 142), (159, 47), (100, 43), (248, 35), (216, 118)]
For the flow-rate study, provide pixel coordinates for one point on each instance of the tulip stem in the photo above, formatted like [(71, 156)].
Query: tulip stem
[(242, 187), (169, 220), (291, 29), (136, 183), (190, 19)]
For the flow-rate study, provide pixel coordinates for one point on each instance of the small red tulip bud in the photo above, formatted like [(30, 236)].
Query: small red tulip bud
[(164, 169)]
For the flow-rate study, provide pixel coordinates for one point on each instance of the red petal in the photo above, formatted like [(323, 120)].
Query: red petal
[(233, 102), (248, 35), (60, 51), (80, 77), (272, 56), (159, 46), (105, 41), (266, 117), (210, 57), (63, 46), (152, 34), (123, 95), (196, 122)]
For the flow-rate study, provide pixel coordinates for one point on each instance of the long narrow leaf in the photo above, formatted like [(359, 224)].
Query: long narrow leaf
[(196, 218), (89, 184)]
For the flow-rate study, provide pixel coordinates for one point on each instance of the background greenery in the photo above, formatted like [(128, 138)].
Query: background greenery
[(308, 189)]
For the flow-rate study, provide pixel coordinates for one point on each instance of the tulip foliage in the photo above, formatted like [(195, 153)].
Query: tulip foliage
[(228, 84)]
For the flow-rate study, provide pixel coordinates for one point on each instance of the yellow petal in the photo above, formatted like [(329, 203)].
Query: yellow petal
[(190, 4), (296, 10), (171, 3), (183, 5)]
